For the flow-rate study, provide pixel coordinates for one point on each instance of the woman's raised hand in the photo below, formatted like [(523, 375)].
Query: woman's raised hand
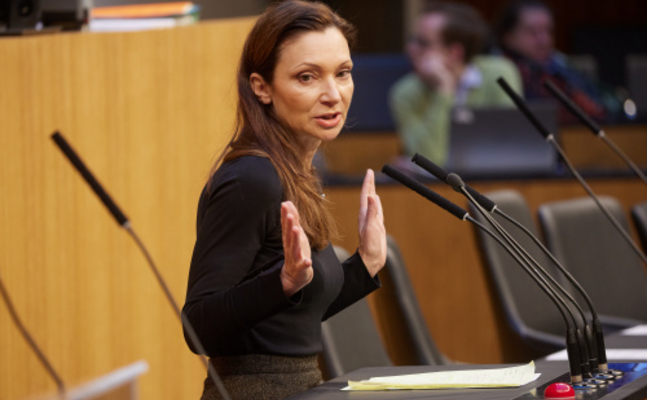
[(372, 234), (297, 269)]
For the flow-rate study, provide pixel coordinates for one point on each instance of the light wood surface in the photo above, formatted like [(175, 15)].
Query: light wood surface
[(588, 151), (147, 112)]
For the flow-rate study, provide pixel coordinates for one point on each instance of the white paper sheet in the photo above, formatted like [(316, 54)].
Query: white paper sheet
[(474, 378), (638, 330)]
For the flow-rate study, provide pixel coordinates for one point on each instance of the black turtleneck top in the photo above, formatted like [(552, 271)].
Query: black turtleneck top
[(235, 299)]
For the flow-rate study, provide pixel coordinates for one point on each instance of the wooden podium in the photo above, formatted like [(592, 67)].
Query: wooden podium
[(147, 112)]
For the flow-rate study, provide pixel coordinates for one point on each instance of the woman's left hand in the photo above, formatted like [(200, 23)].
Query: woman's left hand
[(372, 234)]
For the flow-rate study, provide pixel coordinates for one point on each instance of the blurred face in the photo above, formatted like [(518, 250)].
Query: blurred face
[(312, 86), (427, 42), (533, 36)]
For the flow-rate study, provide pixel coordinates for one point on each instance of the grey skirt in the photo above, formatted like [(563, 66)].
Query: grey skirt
[(262, 377)]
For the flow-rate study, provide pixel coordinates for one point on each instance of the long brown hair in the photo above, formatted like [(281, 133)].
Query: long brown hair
[(260, 132)]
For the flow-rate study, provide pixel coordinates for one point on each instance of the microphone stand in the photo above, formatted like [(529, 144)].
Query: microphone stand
[(31, 342), (572, 346), (587, 346), (594, 337), (593, 126), (551, 139), (183, 318), (123, 221), (533, 267), (597, 350)]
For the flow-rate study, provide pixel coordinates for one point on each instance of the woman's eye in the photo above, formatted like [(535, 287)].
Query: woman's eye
[(344, 74), (305, 78)]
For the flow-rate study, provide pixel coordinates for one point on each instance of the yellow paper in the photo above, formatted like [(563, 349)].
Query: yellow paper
[(475, 378)]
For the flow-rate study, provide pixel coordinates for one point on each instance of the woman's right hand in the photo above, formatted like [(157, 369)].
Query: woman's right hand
[(297, 270)]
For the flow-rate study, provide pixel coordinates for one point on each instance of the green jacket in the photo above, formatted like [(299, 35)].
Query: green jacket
[(423, 115)]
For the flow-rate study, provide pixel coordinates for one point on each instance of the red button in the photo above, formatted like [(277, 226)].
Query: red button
[(559, 390)]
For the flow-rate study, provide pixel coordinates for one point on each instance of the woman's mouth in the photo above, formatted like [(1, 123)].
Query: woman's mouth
[(329, 120)]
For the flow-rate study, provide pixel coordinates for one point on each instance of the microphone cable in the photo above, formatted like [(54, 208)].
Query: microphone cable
[(31, 342)]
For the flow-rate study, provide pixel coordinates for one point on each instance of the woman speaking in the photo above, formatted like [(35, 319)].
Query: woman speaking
[(263, 274)]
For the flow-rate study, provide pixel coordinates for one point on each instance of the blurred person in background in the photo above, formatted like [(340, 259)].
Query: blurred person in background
[(447, 75), (524, 30)]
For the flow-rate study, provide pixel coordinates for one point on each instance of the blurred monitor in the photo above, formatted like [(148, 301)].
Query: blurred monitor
[(637, 83), (501, 141), (373, 75)]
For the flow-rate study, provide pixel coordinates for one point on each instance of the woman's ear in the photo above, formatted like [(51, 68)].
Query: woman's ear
[(261, 88)]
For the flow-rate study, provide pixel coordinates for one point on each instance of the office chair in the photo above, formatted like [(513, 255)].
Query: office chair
[(529, 311), (351, 339), (423, 344), (587, 244), (639, 216)]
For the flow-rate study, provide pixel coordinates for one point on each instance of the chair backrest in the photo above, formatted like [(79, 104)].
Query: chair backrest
[(587, 244), (351, 339), (639, 215), (528, 309), (424, 347)]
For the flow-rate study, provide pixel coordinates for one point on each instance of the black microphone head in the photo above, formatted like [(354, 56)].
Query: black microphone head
[(521, 105), (455, 182), (424, 191), (429, 166), (89, 178)]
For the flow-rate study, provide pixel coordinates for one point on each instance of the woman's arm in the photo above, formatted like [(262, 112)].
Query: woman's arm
[(239, 227)]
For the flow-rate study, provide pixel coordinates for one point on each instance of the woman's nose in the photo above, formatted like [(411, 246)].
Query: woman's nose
[(330, 91)]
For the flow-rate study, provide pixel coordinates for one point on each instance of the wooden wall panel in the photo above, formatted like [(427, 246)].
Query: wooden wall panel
[(147, 111), (353, 153)]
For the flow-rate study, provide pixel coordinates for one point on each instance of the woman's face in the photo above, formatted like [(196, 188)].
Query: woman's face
[(312, 86)]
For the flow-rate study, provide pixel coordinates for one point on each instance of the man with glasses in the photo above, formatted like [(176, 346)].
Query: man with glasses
[(447, 76)]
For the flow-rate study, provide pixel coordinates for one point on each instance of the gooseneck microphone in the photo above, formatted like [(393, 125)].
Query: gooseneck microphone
[(105, 198), (593, 126), (551, 139), (121, 219), (572, 345), (425, 192), (587, 362), (594, 336), (31, 342), (587, 346), (441, 174)]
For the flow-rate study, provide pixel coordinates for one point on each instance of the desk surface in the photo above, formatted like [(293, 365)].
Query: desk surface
[(331, 390), (619, 341), (634, 386), (550, 370)]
